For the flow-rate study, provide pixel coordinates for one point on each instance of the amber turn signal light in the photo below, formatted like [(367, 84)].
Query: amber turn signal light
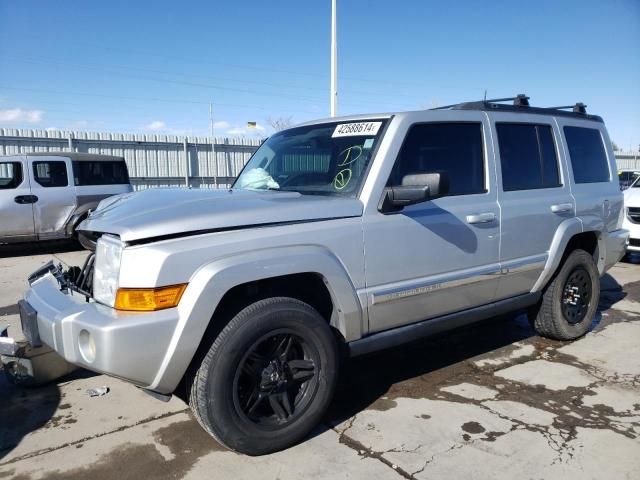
[(149, 299)]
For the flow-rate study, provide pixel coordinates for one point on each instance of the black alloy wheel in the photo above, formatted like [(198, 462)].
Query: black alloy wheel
[(576, 296), (276, 380)]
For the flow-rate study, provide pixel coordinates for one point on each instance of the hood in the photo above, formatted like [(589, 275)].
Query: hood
[(632, 197), (168, 212)]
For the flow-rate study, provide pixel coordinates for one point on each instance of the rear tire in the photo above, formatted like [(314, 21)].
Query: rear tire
[(570, 301), (268, 378)]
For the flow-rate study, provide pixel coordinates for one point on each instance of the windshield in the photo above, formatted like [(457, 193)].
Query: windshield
[(324, 159)]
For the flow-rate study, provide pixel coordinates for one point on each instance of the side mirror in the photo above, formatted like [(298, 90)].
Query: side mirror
[(416, 188)]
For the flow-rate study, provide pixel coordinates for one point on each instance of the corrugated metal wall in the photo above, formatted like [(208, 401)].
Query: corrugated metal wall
[(153, 160), (159, 160), (628, 160)]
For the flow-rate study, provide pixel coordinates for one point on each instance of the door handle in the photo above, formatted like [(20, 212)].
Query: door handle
[(481, 218), (24, 199), (562, 208)]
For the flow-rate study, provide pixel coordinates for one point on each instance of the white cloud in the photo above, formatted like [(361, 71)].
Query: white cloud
[(221, 124), (20, 115), (156, 125), (236, 131)]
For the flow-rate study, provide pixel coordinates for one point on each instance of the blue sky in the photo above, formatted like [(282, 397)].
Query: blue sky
[(139, 66)]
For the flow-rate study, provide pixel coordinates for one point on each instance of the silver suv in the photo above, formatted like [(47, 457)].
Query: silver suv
[(45, 195), (344, 235)]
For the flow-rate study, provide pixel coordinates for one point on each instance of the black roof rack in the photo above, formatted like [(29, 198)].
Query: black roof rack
[(520, 103)]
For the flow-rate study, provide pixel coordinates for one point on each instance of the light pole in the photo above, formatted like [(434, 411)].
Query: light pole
[(334, 61)]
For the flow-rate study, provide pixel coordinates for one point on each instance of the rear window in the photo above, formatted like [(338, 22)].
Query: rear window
[(50, 173), (527, 156), (588, 157), (10, 175), (100, 173)]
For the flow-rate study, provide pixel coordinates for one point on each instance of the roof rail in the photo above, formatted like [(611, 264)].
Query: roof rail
[(521, 105), (577, 108), (520, 100)]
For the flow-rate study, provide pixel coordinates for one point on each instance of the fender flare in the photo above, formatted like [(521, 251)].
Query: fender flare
[(212, 281), (564, 232)]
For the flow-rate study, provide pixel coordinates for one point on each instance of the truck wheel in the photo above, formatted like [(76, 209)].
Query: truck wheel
[(268, 377), (570, 301)]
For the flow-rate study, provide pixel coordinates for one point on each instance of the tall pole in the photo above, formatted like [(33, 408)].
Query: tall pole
[(213, 146), (334, 61)]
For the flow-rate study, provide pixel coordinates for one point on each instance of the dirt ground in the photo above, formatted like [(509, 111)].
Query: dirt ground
[(491, 401)]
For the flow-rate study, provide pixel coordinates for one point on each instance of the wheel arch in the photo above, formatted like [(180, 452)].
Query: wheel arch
[(214, 289), (570, 236)]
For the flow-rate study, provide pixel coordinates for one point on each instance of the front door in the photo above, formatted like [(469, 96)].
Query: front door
[(52, 183), (439, 256), (16, 201)]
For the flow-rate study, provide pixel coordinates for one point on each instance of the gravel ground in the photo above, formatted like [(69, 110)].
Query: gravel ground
[(491, 401)]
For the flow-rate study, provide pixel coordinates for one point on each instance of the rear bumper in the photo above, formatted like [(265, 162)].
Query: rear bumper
[(615, 247), (128, 345)]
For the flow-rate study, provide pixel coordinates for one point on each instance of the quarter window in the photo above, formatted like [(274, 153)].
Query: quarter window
[(588, 158), (10, 175), (100, 173), (453, 148), (527, 156), (50, 174)]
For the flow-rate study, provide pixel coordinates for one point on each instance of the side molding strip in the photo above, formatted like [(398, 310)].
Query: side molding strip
[(401, 335)]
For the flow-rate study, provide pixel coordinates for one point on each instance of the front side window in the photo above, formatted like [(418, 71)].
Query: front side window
[(10, 175), (100, 173), (588, 158), (326, 159), (527, 156), (453, 148), (50, 173)]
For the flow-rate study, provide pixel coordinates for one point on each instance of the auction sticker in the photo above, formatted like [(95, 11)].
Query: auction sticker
[(356, 129)]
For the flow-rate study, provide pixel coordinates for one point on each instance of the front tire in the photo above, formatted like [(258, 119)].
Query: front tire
[(268, 378), (570, 301)]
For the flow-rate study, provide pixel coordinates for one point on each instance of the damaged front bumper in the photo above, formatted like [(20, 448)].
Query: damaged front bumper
[(59, 314)]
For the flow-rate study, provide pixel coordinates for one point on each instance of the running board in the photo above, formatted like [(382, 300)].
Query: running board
[(405, 334)]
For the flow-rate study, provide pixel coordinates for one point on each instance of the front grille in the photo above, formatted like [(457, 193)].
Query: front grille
[(634, 242), (633, 214)]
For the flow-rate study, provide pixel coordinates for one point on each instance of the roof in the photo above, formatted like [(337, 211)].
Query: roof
[(520, 105), (76, 156)]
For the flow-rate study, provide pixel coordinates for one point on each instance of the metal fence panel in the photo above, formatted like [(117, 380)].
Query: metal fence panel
[(160, 160), (152, 160)]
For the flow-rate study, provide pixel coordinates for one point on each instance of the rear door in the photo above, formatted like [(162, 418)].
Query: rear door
[(51, 182), (16, 201), (534, 196)]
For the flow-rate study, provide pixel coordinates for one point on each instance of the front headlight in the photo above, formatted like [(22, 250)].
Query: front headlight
[(107, 269)]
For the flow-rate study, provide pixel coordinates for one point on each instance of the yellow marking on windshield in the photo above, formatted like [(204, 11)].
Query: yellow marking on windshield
[(342, 179), (348, 154)]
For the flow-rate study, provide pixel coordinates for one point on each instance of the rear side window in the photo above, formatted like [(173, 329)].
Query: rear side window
[(588, 158), (10, 175), (50, 174), (453, 148), (100, 173), (527, 156)]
